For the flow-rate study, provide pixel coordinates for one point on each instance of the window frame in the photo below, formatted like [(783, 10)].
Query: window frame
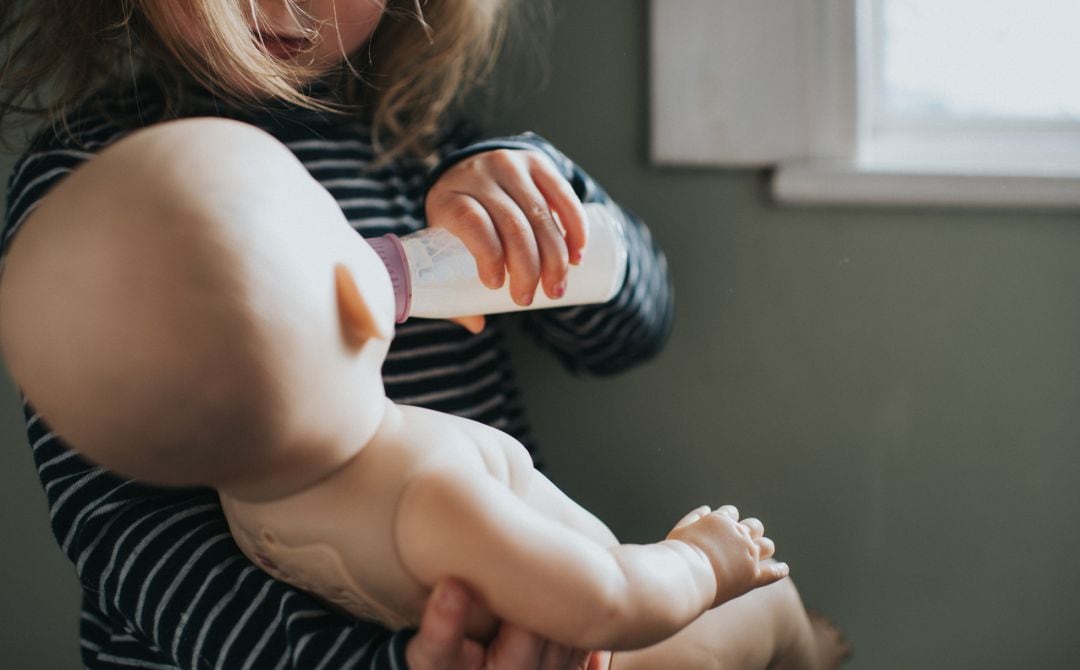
[(806, 111)]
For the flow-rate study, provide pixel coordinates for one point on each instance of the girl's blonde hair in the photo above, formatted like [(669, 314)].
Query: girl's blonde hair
[(423, 58)]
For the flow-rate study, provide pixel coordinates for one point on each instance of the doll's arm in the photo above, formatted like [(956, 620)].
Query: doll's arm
[(544, 575), (544, 495)]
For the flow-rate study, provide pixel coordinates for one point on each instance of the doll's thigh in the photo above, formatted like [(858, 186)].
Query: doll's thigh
[(747, 633)]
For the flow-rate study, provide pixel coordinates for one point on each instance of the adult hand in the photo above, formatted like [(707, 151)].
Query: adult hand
[(440, 644)]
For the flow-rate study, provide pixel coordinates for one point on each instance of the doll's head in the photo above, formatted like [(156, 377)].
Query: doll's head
[(219, 313), (400, 64)]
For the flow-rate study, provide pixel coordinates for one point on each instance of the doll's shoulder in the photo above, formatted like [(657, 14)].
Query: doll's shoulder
[(448, 441)]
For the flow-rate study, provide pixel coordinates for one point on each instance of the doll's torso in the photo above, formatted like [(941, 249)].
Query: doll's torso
[(337, 538)]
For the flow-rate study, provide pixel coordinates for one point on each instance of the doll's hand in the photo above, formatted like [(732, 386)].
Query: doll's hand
[(737, 550), (440, 644), (515, 213)]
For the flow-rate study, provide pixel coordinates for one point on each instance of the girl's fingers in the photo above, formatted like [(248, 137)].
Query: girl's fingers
[(464, 216), (554, 257), (515, 213), (564, 202), (474, 324), (519, 244)]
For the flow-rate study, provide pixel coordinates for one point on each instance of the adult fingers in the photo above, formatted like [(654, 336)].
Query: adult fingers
[(560, 657), (440, 642), (515, 649)]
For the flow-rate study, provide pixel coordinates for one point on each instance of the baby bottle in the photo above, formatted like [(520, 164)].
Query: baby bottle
[(435, 276)]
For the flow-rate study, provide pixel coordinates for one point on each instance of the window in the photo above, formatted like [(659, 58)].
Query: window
[(968, 102)]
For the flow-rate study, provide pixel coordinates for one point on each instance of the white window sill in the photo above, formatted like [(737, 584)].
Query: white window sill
[(821, 182), (927, 169), (923, 167)]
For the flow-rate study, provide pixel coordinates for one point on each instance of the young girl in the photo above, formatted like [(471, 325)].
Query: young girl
[(164, 586)]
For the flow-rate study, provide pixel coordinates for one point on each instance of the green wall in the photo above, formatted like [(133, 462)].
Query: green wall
[(894, 392)]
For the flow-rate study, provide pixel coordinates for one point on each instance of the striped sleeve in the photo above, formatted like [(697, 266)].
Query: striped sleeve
[(164, 584), (633, 326), (31, 178)]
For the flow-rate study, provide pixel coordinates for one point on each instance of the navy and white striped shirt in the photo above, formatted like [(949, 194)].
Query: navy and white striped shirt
[(164, 585)]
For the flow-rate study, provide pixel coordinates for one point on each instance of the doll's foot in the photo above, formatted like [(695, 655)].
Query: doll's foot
[(828, 649)]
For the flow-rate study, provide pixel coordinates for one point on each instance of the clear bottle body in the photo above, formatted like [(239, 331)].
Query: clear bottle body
[(436, 276)]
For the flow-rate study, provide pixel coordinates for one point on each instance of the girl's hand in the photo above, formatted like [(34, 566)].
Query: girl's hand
[(440, 644), (515, 213)]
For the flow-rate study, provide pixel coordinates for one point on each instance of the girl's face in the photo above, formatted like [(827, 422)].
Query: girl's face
[(343, 26)]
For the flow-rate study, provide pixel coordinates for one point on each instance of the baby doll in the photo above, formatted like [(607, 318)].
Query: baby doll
[(236, 333)]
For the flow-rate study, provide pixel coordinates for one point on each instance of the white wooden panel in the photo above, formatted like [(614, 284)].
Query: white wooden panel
[(848, 183), (728, 79)]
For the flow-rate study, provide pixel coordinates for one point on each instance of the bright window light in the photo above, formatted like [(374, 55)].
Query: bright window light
[(973, 103), (1007, 62)]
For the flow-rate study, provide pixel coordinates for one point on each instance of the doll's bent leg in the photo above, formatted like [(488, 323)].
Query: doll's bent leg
[(766, 628)]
